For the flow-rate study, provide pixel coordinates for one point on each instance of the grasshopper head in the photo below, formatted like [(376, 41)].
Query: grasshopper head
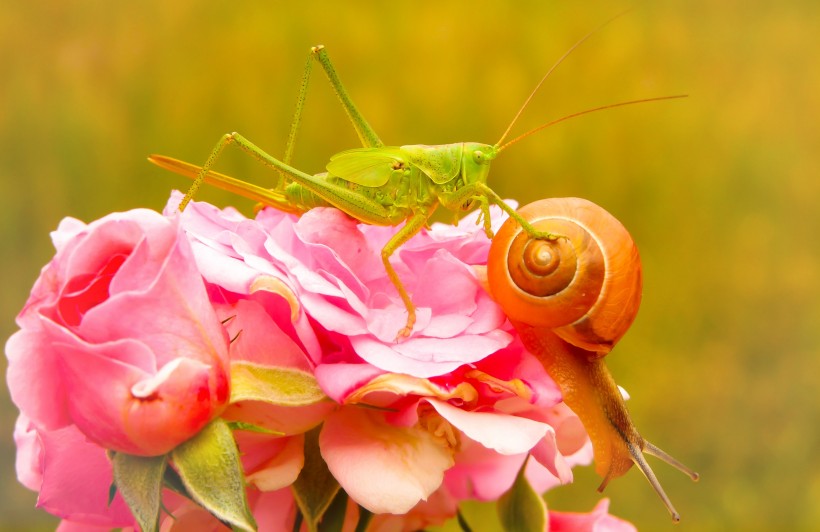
[(475, 162), (475, 166)]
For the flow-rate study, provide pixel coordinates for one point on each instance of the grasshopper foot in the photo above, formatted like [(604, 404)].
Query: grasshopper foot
[(545, 235), (407, 330)]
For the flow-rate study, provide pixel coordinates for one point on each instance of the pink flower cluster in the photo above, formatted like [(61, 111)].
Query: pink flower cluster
[(134, 331)]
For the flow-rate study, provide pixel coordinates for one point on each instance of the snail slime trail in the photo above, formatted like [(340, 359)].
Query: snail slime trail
[(571, 299)]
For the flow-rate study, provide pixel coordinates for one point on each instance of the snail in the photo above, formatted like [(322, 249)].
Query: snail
[(571, 299)]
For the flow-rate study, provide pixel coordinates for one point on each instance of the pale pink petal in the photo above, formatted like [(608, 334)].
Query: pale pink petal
[(281, 311), (480, 473), (387, 387), (233, 274), (503, 433), (283, 419), (282, 466), (428, 357), (42, 399), (275, 511), (513, 362), (329, 227), (458, 298), (190, 517), (408, 463), (76, 477), (29, 461), (598, 520), (435, 511), (340, 380), (70, 526), (260, 340), (548, 468), (67, 230)]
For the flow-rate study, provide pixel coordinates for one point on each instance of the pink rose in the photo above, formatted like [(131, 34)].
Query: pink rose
[(119, 339), (333, 264)]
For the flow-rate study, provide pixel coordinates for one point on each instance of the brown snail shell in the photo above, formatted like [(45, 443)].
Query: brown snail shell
[(585, 284)]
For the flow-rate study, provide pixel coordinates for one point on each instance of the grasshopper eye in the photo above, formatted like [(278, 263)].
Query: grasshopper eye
[(479, 157)]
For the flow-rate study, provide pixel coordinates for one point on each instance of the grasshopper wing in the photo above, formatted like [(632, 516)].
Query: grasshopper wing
[(371, 167)]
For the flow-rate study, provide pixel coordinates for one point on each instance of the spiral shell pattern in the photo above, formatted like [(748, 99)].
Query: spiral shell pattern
[(584, 285)]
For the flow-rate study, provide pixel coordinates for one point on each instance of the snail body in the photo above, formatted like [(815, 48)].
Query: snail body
[(571, 298)]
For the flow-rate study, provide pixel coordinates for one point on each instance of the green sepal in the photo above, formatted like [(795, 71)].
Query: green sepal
[(315, 487), (521, 509), (252, 427), (273, 385), (139, 481), (365, 516), (334, 517), (462, 522), (211, 471)]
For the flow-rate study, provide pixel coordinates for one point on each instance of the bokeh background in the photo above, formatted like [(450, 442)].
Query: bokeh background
[(720, 190)]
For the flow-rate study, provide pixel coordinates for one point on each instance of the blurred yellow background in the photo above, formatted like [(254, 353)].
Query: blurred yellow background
[(721, 190)]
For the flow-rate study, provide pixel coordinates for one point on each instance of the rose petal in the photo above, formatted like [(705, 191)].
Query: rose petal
[(76, 478), (503, 433), (384, 468), (598, 520), (480, 473), (29, 461), (278, 461), (428, 357)]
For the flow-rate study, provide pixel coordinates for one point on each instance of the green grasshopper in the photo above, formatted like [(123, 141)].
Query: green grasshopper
[(378, 184)]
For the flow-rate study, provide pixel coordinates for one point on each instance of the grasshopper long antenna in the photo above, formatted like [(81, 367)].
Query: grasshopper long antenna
[(579, 113), (553, 67)]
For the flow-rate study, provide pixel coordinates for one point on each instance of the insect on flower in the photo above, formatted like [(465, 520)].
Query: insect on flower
[(378, 184)]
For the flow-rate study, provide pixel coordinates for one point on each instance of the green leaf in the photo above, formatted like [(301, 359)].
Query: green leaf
[(209, 466), (139, 481), (315, 487), (274, 385), (521, 509)]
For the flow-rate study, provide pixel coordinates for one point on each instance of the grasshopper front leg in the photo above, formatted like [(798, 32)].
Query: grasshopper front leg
[(411, 227), (485, 196)]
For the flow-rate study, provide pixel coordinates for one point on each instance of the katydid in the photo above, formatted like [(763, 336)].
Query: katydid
[(378, 184)]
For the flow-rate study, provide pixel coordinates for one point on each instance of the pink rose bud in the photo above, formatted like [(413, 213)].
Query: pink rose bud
[(119, 337)]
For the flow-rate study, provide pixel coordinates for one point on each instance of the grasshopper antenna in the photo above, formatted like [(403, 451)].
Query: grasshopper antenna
[(579, 113), (552, 68)]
